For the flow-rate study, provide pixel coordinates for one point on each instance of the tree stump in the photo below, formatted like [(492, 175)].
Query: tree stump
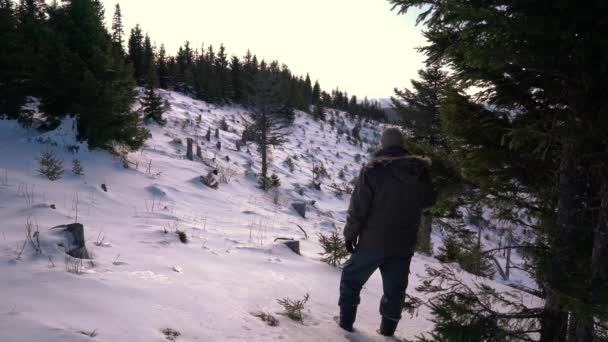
[(199, 154), (189, 154), (75, 245), (300, 208), (294, 245)]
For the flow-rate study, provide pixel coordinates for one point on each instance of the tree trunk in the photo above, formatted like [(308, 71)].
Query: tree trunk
[(189, 149), (264, 153), (424, 244), (554, 322), (599, 257)]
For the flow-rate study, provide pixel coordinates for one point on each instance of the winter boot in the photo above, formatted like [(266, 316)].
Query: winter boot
[(347, 317), (387, 327)]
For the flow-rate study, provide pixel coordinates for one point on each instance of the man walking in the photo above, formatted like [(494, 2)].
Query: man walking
[(381, 228)]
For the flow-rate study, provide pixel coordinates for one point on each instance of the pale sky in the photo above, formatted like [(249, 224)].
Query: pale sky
[(359, 45)]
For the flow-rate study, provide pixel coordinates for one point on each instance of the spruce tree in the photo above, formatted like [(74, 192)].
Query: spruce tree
[(224, 85), (316, 93), (148, 58), (136, 54), (236, 77), (118, 30), (318, 112), (307, 92), (267, 122), (103, 107), (152, 104), (12, 92), (418, 109), (163, 68), (532, 137)]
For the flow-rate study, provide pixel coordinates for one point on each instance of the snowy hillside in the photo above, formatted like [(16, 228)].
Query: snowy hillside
[(142, 279)]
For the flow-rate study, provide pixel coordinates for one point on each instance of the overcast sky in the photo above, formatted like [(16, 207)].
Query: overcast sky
[(359, 45)]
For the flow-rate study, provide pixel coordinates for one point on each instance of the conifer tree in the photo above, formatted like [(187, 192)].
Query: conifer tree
[(148, 57), (136, 54), (152, 104), (162, 68), (418, 109), (319, 112), (236, 77), (532, 138), (103, 105), (224, 86), (316, 93), (267, 122), (118, 30), (12, 92), (307, 92)]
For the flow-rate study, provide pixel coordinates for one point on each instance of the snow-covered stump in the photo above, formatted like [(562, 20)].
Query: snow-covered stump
[(292, 244), (75, 244), (300, 208), (189, 154)]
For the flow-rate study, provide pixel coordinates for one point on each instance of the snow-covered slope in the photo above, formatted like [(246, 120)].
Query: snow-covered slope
[(142, 279)]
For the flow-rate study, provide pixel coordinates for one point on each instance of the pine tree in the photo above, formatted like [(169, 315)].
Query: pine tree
[(236, 76), (316, 93), (136, 54), (536, 128), (307, 92), (12, 92), (224, 86), (266, 125), (418, 109), (163, 68), (152, 104), (148, 58), (118, 30), (103, 105), (319, 112)]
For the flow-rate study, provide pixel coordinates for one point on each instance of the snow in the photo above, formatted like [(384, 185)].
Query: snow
[(142, 278)]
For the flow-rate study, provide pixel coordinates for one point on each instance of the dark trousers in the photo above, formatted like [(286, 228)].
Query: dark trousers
[(361, 266)]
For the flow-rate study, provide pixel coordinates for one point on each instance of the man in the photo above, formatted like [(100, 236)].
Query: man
[(381, 228)]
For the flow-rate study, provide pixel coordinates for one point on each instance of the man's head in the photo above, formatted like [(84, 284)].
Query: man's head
[(392, 137)]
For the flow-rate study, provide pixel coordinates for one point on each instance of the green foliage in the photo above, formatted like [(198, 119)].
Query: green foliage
[(534, 127), (472, 313), (51, 166), (418, 109), (152, 103), (318, 113), (293, 308), (334, 250), (270, 182), (77, 168), (460, 247), (267, 318)]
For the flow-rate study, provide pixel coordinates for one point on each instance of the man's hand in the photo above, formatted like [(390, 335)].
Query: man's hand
[(351, 245)]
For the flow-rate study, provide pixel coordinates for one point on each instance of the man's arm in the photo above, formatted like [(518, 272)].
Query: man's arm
[(358, 211)]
